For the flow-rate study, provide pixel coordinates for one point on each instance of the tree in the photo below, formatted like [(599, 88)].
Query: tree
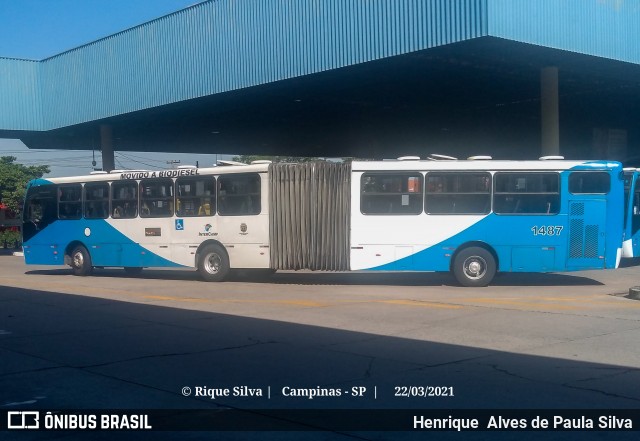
[(9, 237), (13, 181)]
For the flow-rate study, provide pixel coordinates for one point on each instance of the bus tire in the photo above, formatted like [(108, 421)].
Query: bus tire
[(213, 263), (474, 266), (133, 270), (81, 261)]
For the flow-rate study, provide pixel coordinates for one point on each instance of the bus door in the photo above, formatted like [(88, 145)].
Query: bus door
[(631, 244), (38, 233), (587, 221), (195, 219), (157, 223), (242, 221)]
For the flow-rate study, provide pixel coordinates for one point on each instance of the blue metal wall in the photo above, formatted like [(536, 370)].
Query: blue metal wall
[(226, 45), (604, 28)]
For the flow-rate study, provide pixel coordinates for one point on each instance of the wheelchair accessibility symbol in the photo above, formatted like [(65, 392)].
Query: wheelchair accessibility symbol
[(179, 224)]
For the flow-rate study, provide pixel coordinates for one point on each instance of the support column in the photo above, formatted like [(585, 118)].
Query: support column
[(106, 145), (549, 111)]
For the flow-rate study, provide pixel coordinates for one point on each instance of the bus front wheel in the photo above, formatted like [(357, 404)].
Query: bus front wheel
[(474, 266), (81, 261), (213, 263)]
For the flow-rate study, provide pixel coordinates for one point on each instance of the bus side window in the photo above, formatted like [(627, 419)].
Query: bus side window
[(589, 182), (96, 200), (458, 193), (239, 194), (195, 196), (124, 200), (156, 198), (70, 201), (526, 193), (391, 193)]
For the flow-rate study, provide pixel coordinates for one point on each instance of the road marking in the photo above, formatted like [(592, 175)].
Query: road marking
[(534, 302), (294, 302), (308, 303), (538, 302), (420, 303)]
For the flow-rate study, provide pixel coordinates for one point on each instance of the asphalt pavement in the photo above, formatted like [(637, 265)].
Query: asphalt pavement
[(353, 341)]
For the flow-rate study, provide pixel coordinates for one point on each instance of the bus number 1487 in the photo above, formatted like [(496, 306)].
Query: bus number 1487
[(551, 230)]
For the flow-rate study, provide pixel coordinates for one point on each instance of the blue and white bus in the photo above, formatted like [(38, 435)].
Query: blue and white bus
[(631, 241), (136, 219), (472, 218)]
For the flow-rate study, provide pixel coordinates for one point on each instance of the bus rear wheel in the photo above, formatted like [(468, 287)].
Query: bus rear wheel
[(213, 263), (474, 266), (81, 261)]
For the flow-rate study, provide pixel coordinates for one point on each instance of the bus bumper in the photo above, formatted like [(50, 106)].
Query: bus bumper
[(619, 255), (627, 248)]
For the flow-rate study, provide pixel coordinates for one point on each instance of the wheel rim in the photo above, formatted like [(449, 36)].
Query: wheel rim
[(474, 267), (212, 263), (78, 260)]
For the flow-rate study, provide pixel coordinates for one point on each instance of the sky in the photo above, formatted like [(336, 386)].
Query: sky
[(37, 29)]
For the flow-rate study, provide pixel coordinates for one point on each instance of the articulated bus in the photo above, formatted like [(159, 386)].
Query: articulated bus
[(472, 218)]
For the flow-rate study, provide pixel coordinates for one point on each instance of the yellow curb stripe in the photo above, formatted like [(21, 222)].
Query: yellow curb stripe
[(419, 303)]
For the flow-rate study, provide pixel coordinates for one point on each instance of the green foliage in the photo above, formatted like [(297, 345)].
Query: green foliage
[(9, 238), (13, 180)]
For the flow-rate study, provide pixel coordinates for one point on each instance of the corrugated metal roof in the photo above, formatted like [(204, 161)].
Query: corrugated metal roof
[(20, 104), (226, 45), (603, 28)]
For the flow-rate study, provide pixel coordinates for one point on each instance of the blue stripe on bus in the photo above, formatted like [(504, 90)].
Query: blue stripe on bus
[(107, 245), (500, 232), (534, 253)]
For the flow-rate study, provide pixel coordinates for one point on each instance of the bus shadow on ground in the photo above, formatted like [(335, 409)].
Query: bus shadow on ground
[(62, 351), (344, 278)]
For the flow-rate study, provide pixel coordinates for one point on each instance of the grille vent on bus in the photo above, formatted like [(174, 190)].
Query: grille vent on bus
[(577, 209), (591, 241), (583, 239), (575, 237)]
